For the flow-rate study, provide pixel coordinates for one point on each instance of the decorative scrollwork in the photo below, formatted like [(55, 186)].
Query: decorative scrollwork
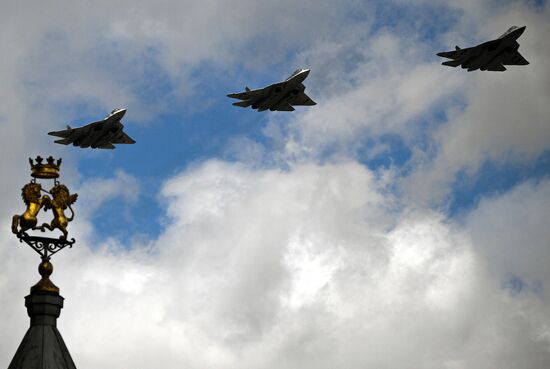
[(45, 246)]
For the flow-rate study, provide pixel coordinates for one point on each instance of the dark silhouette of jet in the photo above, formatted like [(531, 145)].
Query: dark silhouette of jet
[(491, 55), (97, 135), (279, 96)]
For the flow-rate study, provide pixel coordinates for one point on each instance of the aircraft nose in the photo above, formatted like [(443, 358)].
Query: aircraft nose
[(302, 75), (119, 112), (520, 30)]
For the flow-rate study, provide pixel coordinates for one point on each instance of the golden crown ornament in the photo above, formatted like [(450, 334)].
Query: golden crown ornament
[(59, 200)]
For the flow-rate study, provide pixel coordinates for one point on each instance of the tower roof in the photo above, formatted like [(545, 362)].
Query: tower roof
[(43, 347)]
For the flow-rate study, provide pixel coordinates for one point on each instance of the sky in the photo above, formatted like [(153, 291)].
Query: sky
[(402, 222)]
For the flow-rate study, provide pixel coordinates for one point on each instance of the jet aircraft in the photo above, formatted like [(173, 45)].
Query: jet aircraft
[(97, 135), (279, 96), (491, 55)]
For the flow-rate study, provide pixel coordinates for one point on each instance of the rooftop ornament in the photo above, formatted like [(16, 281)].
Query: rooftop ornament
[(59, 200), (42, 346)]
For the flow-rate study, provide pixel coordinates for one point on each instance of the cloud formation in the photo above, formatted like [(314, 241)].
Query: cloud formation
[(307, 268), (295, 255)]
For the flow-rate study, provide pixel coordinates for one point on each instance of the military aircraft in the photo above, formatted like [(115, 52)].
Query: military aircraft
[(279, 96), (490, 55), (97, 135)]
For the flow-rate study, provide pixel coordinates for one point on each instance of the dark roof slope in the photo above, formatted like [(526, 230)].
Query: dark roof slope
[(43, 347)]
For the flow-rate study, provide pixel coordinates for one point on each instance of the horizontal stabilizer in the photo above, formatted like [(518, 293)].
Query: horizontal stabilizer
[(63, 141), (497, 68), (239, 95), (63, 134), (448, 54), (282, 106), (451, 63), (243, 104), (106, 146)]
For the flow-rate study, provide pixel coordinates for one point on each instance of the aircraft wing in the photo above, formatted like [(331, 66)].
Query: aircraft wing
[(122, 138), (514, 59), (302, 99)]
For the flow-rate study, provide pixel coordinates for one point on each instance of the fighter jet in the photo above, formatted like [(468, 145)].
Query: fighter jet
[(97, 135), (490, 55), (279, 96)]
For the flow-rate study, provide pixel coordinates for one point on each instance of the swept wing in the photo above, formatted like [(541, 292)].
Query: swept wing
[(122, 138), (514, 58), (302, 99)]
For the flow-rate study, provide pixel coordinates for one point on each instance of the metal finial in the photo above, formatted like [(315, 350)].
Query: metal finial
[(45, 284)]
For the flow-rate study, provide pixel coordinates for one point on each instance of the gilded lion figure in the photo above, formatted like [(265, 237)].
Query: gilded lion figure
[(61, 200), (32, 197)]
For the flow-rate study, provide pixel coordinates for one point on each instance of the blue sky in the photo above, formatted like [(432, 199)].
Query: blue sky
[(200, 126), (411, 196)]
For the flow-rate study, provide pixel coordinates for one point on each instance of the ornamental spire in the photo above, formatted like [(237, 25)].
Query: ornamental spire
[(43, 346), (59, 200)]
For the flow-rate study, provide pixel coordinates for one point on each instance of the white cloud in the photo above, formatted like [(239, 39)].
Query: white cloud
[(310, 267), (495, 225), (94, 192), (303, 268)]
